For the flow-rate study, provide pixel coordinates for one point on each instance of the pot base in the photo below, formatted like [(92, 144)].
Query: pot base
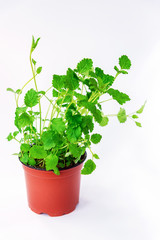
[(55, 214)]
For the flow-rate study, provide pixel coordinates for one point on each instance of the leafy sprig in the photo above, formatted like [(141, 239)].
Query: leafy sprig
[(60, 138)]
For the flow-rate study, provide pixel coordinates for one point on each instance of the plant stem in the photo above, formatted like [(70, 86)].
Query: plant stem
[(106, 100), (46, 116), (23, 88), (34, 77)]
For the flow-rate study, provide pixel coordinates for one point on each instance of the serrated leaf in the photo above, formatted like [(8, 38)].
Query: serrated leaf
[(120, 97), (51, 162), (39, 70), (31, 98), (104, 121), (96, 138), (134, 116), (51, 139), (76, 150), (9, 137), (124, 62), (55, 93), (37, 152), (138, 124), (141, 109), (92, 108), (71, 80), (24, 120), (25, 158), (84, 66), (20, 110), (10, 90), (73, 134), (58, 81), (122, 117), (87, 124), (95, 156), (104, 80), (89, 167), (58, 125), (25, 147)]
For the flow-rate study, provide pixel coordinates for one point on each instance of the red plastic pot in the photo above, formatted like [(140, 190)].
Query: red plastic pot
[(52, 194)]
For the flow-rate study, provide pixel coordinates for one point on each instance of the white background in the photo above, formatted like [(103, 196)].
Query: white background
[(121, 199)]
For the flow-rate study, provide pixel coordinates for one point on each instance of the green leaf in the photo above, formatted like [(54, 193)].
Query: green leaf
[(95, 156), (34, 43), (104, 121), (92, 108), (56, 171), (10, 90), (25, 147), (24, 120), (34, 62), (124, 62), (89, 167), (37, 152), (71, 80), (55, 93), (141, 109), (120, 97), (18, 91), (58, 125), (138, 124), (123, 72), (76, 150), (116, 68), (31, 98), (25, 158), (20, 110), (31, 161), (15, 133), (51, 162), (9, 137), (42, 92), (96, 138), (85, 65), (134, 116), (87, 124), (58, 81), (73, 134), (122, 117), (91, 83), (39, 69), (51, 139), (104, 80)]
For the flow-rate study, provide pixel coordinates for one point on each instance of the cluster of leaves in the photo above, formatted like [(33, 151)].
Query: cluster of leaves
[(75, 107)]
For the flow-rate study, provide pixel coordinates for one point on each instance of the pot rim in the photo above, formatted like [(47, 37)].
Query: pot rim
[(83, 158)]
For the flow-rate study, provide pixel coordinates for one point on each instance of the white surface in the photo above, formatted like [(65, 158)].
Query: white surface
[(121, 199)]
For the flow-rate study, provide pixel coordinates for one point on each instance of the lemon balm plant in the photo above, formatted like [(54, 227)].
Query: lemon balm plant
[(59, 140), (53, 141)]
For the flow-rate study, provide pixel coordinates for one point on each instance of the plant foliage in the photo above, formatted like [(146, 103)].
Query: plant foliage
[(59, 138)]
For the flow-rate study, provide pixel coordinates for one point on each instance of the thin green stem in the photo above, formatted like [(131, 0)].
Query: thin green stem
[(46, 116), (62, 103), (34, 77), (106, 100)]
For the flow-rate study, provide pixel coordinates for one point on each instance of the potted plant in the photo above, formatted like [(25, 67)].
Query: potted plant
[(53, 145)]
